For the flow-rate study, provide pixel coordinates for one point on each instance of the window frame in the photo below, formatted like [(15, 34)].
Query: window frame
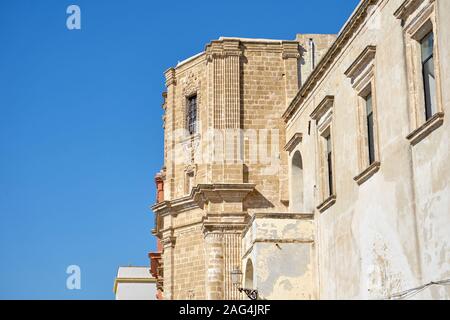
[(323, 116), (363, 78), (418, 18), (429, 112), (194, 125)]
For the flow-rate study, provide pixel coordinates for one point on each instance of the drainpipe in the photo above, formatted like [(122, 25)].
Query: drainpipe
[(312, 52)]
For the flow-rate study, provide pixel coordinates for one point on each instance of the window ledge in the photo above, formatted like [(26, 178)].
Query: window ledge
[(367, 173), (427, 128), (327, 203)]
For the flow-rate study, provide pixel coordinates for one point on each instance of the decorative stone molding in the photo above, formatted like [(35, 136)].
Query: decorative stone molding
[(191, 169), (168, 241), (327, 203), (191, 84), (361, 70), (221, 192), (223, 48), (367, 173), (324, 106), (424, 130), (290, 50), (170, 77), (408, 7), (293, 142), (204, 193), (174, 207)]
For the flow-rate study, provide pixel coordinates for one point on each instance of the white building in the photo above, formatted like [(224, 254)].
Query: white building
[(134, 283)]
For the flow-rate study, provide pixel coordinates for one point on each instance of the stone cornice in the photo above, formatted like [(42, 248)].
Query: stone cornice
[(203, 193), (223, 48), (365, 58), (218, 192), (293, 142), (174, 206), (170, 77), (408, 7), (341, 41), (290, 50), (325, 105), (224, 222)]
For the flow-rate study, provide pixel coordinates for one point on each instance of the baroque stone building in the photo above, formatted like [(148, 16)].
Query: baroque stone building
[(318, 166)]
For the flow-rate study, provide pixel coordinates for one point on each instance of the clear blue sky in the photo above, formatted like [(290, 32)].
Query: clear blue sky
[(80, 125)]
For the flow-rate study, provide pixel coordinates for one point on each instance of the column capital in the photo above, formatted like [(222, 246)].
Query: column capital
[(170, 77)]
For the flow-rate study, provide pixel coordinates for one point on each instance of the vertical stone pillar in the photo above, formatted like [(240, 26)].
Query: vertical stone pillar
[(290, 56), (168, 243), (223, 254), (169, 129), (224, 58), (232, 248), (214, 265)]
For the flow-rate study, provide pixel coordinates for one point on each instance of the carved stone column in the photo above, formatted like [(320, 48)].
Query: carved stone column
[(214, 265), (222, 228), (168, 243), (169, 128)]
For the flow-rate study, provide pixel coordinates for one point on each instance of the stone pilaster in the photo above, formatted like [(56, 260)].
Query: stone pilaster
[(290, 56), (223, 254), (223, 58), (214, 281), (168, 243), (169, 118)]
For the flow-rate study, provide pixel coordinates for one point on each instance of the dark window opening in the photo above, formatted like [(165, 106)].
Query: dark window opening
[(192, 114), (370, 134), (329, 165), (429, 81)]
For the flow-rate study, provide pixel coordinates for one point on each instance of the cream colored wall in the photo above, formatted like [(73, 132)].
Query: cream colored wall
[(281, 249), (391, 233)]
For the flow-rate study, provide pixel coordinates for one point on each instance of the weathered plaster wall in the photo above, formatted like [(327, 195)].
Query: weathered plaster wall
[(431, 168), (282, 254), (392, 232)]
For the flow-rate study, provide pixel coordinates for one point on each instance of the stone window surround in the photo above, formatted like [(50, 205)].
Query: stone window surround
[(362, 75), (323, 115), (191, 88), (418, 19)]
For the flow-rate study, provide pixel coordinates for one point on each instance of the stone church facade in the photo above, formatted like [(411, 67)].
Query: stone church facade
[(317, 166)]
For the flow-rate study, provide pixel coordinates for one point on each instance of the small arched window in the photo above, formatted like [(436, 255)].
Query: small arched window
[(296, 182)]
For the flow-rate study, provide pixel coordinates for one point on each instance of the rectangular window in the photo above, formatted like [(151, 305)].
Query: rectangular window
[(329, 163), (429, 81), (370, 131), (192, 114)]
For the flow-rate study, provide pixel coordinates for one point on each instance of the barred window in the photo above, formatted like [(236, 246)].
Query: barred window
[(191, 114)]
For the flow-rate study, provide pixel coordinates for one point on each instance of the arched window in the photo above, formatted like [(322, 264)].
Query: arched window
[(248, 275), (296, 181)]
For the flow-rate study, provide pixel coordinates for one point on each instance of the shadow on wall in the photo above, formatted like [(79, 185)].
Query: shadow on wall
[(255, 200)]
